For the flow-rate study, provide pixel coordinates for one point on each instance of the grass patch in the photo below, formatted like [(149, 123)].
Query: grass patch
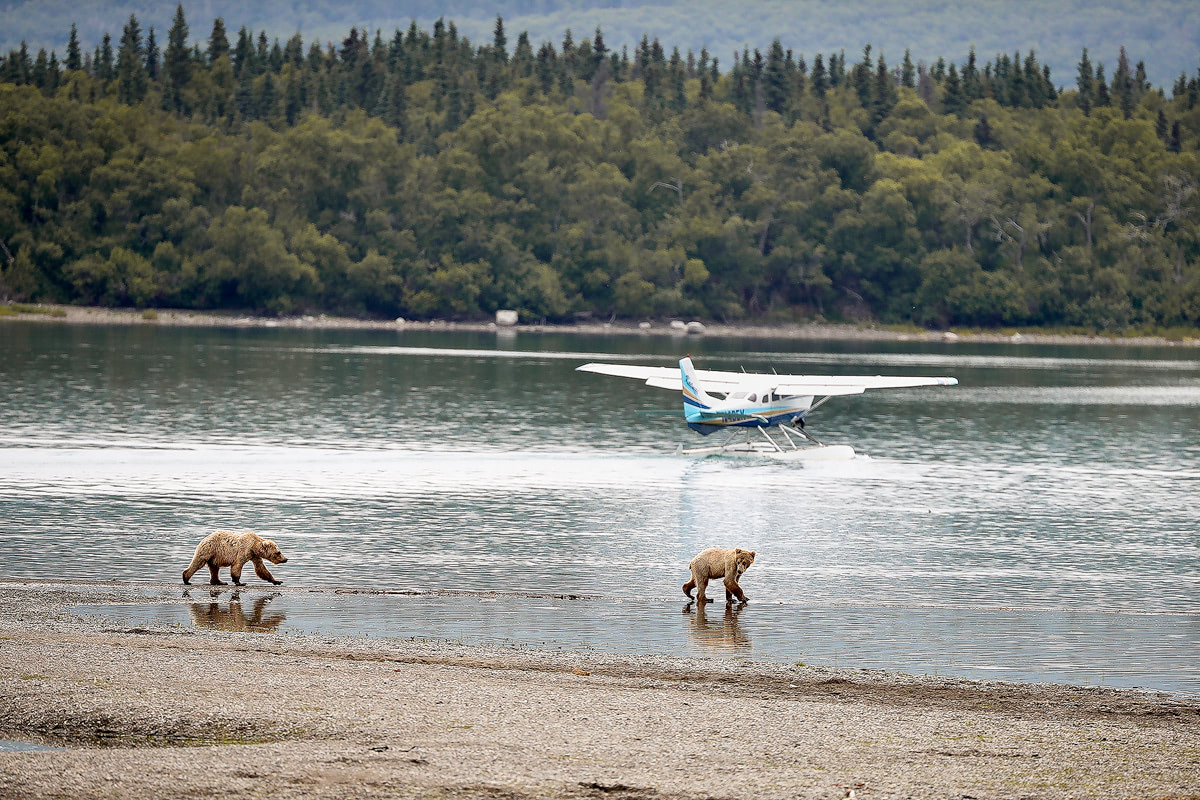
[(13, 309), (150, 315)]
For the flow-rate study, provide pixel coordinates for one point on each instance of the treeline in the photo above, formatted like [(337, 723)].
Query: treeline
[(418, 174)]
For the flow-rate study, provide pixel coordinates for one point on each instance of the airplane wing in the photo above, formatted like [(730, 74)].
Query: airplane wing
[(791, 385)]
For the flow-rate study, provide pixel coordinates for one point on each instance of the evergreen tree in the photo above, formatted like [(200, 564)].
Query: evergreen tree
[(243, 53), (1102, 96), (393, 104), (152, 63), (1122, 85), (262, 52), (131, 69), (1086, 83), (907, 72), (860, 77), (820, 79), (983, 132), (74, 60), (971, 85), (104, 60), (1161, 127), (39, 75), (1018, 92), (775, 79), (1176, 143), (177, 60), (952, 94), (1035, 88), (883, 94), (499, 42), (218, 41), (1048, 85), (53, 74)]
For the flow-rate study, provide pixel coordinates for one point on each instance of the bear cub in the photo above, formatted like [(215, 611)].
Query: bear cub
[(719, 562), (233, 550)]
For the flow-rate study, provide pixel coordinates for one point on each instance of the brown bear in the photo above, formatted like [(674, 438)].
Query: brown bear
[(233, 550), (719, 562)]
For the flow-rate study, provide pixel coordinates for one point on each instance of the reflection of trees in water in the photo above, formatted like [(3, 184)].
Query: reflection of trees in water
[(234, 617), (716, 631)]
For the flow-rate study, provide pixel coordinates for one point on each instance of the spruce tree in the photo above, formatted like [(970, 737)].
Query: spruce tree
[(983, 132), (218, 41), (152, 61), (952, 94), (972, 88), (1086, 83), (131, 69), (243, 53), (177, 61), (1122, 85), (499, 42), (883, 93), (1102, 96), (907, 72), (775, 83), (40, 73), (53, 74), (820, 79), (74, 60), (104, 60)]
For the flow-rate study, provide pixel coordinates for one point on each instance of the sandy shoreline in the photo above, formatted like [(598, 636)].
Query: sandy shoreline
[(813, 331), (159, 710)]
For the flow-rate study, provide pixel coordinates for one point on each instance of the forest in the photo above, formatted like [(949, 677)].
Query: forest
[(417, 173)]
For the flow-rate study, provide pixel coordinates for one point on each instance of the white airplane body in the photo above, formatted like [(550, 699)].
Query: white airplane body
[(756, 401)]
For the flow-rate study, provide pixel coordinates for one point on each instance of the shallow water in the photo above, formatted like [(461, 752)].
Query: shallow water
[(1013, 644), (1047, 502)]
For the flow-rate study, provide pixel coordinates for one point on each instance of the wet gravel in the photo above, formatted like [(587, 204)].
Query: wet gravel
[(190, 712)]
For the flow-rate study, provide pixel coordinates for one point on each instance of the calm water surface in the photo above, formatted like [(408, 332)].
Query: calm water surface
[(1039, 521)]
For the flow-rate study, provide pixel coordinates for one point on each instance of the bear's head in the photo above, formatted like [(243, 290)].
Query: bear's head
[(742, 560), (270, 552)]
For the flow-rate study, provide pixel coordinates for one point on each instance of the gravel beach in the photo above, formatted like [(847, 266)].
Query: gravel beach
[(88, 315), (184, 711)]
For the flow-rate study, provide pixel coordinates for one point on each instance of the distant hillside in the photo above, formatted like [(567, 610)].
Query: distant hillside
[(1163, 33)]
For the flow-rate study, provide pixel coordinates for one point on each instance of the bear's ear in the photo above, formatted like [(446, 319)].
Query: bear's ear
[(737, 550), (751, 555)]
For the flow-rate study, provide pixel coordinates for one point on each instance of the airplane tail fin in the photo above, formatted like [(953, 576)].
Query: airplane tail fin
[(694, 396)]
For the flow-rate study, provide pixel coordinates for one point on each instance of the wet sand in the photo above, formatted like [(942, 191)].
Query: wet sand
[(813, 330), (194, 712)]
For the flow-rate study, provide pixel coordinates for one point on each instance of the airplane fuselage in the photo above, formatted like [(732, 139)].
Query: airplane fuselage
[(737, 410)]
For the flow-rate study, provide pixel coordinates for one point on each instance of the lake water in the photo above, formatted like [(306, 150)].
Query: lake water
[(1037, 522)]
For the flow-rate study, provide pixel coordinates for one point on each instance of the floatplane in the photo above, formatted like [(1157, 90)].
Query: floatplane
[(748, 403)]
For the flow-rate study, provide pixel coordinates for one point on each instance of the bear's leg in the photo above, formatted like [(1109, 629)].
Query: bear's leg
[(260, 569), (701, 585), (197, 562), (732, 589), (214, 577), (687, 587), (235, 572)]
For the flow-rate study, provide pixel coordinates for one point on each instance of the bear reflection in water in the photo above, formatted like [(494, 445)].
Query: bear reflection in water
[(716, 631), (233, 617)]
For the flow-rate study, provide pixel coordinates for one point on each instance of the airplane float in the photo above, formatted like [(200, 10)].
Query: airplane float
[(750, 402)]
